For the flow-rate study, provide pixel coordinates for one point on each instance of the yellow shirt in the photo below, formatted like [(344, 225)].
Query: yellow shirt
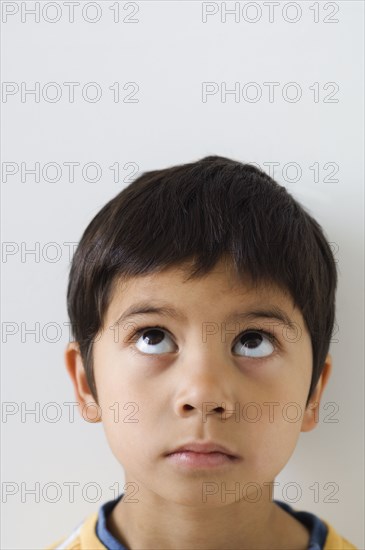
[(85, 538)]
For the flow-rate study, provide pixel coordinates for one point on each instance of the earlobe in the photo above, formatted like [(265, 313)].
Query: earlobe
[(76, 371), (311, 413)]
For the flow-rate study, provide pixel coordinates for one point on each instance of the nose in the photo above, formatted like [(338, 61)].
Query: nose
[(206, 386)]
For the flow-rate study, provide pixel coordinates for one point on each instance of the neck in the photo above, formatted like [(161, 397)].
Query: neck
[(154, 522)]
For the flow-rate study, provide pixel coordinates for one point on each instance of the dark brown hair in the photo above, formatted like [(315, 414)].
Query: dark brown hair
[(201, 212)]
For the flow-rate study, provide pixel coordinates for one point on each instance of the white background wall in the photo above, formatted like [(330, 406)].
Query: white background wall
[(169, 52)]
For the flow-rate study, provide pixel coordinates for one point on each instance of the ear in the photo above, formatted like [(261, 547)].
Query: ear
[(311, 413), (88, 407)]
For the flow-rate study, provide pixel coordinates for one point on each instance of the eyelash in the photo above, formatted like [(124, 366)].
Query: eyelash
[(139, 331)]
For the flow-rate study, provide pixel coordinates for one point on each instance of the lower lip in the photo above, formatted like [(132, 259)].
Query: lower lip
[(191, 459)]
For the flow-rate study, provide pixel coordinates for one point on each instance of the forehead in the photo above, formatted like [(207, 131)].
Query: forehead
[(217, 292)]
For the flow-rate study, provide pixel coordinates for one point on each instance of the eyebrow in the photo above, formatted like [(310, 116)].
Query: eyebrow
[(145, 307)]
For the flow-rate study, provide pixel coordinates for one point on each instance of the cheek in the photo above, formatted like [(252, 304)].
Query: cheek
[(123, 427), (113, 378), (271, 440), (129, 418)]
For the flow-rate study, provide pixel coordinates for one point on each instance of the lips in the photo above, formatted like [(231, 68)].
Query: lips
[(204, 447)]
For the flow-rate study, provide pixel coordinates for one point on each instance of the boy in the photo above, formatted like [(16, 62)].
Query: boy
[(202, 301)]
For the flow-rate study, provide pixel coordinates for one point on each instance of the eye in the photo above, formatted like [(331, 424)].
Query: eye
[(255, 343), (151, 340), (252, 343)]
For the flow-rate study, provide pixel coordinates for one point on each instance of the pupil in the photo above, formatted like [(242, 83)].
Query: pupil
[(152, 340), (253, 341)]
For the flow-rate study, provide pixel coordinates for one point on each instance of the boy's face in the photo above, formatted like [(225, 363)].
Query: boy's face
[(163, 388)]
